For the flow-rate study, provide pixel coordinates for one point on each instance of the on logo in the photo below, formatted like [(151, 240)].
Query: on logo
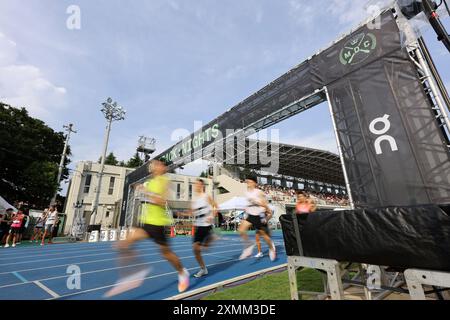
[(382, 134), (358, 49)]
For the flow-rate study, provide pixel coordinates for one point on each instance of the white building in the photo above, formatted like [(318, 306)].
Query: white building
[(81, 194)]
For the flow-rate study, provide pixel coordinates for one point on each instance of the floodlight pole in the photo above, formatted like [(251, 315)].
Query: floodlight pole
[(63, 158), (111, 112)]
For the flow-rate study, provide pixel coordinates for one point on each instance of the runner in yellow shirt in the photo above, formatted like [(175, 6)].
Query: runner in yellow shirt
[(155, 220)]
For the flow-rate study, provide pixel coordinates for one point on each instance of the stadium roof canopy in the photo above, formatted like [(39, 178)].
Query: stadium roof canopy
[(294, 161)]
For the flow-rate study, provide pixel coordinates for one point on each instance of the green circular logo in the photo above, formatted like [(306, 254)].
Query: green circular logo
[(358, 49)]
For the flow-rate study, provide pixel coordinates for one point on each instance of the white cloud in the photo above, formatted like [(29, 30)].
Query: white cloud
[(174, 5), (301, 13), (24, 85), (259, 15), (236, 72), (353, 12)]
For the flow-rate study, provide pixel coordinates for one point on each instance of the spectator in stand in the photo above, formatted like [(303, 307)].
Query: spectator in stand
[(37, 234), (17, 220), (50, 223), (5, 224)]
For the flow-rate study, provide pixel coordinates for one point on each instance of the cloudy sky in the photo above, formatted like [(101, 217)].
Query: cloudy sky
[(167, 62)]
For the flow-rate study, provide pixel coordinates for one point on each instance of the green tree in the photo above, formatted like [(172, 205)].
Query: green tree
[(111, 159), (135, 161), (30, 152)]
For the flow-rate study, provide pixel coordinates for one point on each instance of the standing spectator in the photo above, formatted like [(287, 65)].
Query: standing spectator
[(50, 223), (17, 221), (24, 226), (37, 234), (5, 224)]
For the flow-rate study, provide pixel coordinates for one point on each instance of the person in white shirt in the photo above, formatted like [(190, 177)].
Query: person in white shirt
[(50, 223), (258, 212), (203, 211)]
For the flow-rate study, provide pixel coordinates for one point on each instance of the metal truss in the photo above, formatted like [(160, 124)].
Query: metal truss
[(417, 279)]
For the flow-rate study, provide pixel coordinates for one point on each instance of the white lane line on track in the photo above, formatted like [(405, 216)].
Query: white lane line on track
[(95, 261), (111, 251), (109, 269), (128, 266), (57, 247), (46, 289), (147, 278), (151, 246)]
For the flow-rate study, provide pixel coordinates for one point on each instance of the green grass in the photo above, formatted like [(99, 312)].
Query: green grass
[(272, 287)]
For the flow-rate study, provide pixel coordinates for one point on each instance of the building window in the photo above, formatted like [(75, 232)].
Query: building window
[(112, 180), (87, 183), (178, 191), (190, 191), (107, 214)]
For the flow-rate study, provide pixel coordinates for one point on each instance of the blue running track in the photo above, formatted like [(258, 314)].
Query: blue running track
[(41, 273)]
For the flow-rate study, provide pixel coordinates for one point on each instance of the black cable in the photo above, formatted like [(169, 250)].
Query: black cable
[(446, 6), (429, 9)]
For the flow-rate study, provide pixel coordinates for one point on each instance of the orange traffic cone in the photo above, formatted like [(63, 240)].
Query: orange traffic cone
[(172, 232)]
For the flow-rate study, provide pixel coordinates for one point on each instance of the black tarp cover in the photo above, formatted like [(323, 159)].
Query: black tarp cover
[(399, 237)]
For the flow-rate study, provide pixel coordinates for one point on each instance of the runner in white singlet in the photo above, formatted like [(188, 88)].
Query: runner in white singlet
[(258, 212)]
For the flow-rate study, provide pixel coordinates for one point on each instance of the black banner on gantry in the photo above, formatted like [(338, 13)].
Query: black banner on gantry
[(394, 151)]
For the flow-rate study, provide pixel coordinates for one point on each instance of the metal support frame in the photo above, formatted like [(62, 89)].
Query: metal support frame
[(341, 152), (416, 279), (430, 86), (331, 267)]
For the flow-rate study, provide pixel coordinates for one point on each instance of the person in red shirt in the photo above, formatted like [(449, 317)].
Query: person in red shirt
[(17, 220), (305, 204)]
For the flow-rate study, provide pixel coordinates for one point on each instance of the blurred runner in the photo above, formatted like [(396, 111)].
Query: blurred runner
[(155, 220), (204, 213), (264, 220), (257, 208)]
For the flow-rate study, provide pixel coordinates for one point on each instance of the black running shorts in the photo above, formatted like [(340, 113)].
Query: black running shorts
[(201, 234), (257, 223), (157, 233)]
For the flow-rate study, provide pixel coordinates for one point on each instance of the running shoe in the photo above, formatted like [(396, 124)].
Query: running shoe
[(201, 273), (247, 252), (183, 281), (273, 252), (6, 246), (14, 245), (18, 243), (259, 255), (128, 283)]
